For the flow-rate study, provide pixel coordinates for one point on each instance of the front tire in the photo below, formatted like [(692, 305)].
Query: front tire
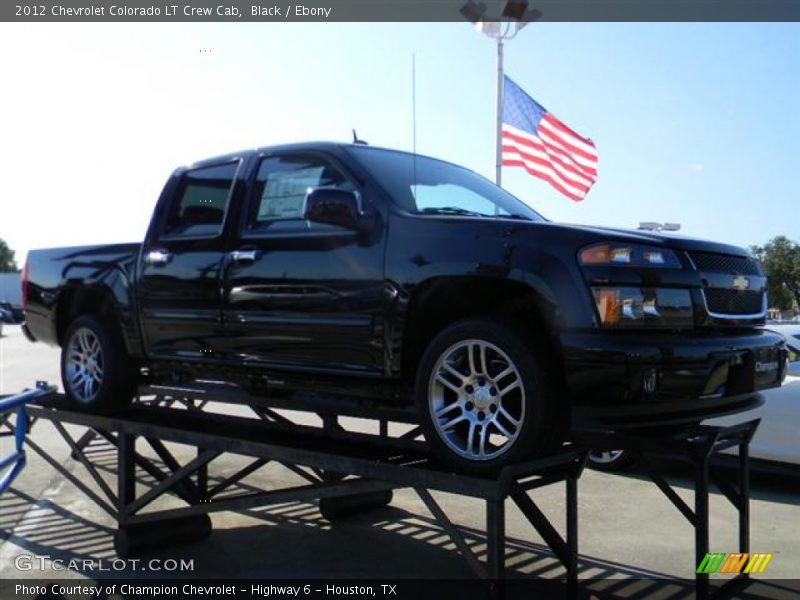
[(485, 399), (96, 371), (610, 460)]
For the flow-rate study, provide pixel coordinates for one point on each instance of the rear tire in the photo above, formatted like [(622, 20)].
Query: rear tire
[(485, 398), (96, 371)]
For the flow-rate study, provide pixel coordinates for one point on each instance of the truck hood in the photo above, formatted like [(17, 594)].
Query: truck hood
[(653, 238)]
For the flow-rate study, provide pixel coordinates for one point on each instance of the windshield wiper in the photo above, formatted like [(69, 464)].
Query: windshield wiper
[(515, 216), (451, 210)]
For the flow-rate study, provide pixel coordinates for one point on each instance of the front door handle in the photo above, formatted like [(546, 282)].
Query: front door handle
[(157, 258), (243, 255)]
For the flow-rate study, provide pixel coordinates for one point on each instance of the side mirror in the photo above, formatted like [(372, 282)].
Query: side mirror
[(335, 207)]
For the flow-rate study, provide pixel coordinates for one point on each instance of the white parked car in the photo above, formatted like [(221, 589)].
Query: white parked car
[(777, 437)]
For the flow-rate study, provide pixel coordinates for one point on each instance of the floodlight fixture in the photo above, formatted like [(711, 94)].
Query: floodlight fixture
[(473, 11), (515, 15)]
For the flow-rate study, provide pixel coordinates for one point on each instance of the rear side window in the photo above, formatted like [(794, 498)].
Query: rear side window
[(200, 202), (282, 184)]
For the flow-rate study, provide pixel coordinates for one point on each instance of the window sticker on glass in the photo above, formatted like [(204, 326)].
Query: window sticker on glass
[(285, 192)]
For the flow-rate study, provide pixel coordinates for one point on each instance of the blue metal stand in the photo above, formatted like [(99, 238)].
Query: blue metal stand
[(18, 403)]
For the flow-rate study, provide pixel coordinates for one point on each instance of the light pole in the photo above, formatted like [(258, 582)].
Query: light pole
[(514, 17)]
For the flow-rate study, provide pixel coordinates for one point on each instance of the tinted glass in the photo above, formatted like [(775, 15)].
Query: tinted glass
[(282, 184), (425, 185), (201, 201)]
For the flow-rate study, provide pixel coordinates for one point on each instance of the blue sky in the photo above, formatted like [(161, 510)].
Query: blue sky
[(694, 123)]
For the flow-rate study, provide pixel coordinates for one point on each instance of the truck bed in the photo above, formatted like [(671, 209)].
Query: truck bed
[(53, 272)]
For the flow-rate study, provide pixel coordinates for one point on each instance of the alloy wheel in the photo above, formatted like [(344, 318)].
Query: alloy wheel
[(84, 366), (476, 399), (605, 457)]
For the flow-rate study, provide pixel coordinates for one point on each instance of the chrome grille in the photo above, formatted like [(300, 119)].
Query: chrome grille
[(734, 302), (731, 302), (725, 263)]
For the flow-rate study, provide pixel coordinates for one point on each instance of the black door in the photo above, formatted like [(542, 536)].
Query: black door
[(298, 294), (179, 290)]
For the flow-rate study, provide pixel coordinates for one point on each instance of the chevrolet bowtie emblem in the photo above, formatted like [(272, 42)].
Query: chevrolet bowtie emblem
[(741, 283)]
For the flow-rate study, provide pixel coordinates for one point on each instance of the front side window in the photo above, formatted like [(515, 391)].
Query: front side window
[(200, 202), (282, 184)]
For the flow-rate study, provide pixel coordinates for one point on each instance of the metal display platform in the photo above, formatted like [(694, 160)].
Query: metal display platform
[(697, 445), (346, 472), (350, 471)]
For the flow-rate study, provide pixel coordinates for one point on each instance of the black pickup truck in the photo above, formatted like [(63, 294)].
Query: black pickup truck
[(408, 280)]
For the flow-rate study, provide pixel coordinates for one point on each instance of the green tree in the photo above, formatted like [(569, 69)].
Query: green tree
[(781, 259), (7, 262)]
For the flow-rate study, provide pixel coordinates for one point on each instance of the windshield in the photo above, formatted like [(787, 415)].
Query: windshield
[(424, 185)]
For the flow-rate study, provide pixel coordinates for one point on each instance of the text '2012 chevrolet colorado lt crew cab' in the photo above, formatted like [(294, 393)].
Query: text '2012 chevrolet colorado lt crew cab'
[(414, 281)]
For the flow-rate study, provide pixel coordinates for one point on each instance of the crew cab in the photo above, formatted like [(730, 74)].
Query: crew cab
[(414, 281)]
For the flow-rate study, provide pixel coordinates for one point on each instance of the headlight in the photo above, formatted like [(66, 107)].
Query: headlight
[(643, 307), (628, 255)]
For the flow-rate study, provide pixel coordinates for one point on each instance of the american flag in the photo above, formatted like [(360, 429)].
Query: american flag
[(535, 140)]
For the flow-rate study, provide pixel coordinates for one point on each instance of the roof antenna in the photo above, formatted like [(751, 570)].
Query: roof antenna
[(358, 141), (414, 120)]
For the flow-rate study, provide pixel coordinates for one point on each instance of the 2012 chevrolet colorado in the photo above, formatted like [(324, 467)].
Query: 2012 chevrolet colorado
[(409, 279)]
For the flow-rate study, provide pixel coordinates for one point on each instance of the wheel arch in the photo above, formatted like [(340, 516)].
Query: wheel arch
[(439, 302), (78, 300)]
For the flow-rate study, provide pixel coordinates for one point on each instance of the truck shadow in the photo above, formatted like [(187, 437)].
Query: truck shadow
[(292, 541)]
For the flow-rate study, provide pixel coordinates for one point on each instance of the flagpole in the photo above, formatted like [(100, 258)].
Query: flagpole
[(515, 16), (499, 124)]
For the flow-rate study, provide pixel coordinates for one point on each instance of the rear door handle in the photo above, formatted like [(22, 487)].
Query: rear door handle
[(243, 255), (157, 257)]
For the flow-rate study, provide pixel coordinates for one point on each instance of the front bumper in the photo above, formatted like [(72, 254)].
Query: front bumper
[(645, 378)]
